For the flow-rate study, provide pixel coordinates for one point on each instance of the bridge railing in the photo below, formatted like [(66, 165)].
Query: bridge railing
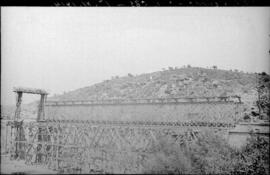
[(234, 99)]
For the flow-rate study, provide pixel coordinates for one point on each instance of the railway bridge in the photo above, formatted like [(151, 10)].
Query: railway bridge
[(113, 135)]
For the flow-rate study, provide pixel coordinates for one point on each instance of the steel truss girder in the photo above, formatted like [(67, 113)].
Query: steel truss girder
[(184, 112)]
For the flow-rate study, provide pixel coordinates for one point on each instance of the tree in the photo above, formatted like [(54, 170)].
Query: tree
[(263, 88), (252, 158), (208, 154), (170, 68), (130, 75)]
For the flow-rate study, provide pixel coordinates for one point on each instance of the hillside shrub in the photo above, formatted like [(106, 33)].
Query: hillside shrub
[(170, 68), (254, 157), (169, 158), (130, 75), (263, 89), (210, 154)]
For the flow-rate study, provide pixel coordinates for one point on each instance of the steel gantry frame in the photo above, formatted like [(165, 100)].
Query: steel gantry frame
[(17, 131), (43, 94)]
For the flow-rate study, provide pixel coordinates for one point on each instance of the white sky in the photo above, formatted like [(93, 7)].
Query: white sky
[(62, 49)]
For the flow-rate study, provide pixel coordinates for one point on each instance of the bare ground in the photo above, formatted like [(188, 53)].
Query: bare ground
[(13, 166)]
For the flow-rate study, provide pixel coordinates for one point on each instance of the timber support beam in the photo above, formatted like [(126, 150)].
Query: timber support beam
[(20, 91)]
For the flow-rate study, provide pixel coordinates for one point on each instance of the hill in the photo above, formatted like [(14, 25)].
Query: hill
[(174, 82)]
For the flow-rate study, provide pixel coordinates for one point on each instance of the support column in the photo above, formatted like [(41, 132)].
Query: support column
[(18, 106), (41, 115), (41, 130), (19, 135)]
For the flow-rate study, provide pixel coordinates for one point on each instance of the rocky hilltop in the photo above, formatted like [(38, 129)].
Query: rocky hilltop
[(171, 82)]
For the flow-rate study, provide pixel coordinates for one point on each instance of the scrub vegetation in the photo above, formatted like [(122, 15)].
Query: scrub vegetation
[(211, 154)]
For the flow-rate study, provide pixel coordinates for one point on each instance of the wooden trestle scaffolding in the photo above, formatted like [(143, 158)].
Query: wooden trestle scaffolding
[(85, 146)]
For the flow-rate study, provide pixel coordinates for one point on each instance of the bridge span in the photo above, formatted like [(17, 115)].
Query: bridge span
[(113, 135), (215, 109)]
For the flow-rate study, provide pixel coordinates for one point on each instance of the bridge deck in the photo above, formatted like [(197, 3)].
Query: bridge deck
[(227, 99)]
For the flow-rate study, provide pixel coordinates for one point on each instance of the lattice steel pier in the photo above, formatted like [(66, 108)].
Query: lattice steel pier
[(110, 147)]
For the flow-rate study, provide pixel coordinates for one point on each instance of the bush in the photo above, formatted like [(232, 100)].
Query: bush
[(254, 157), (210, 154), (130, 75), (169, 158), (263, 89), (170, 68)]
